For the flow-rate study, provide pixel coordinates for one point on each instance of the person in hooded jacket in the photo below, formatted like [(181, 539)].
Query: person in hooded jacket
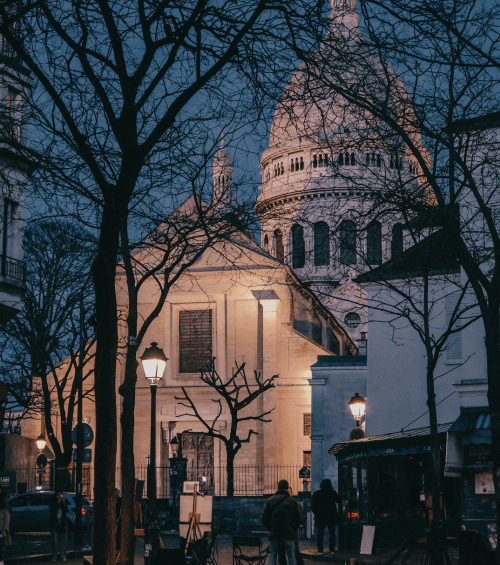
[(324, 507), (282, 517)]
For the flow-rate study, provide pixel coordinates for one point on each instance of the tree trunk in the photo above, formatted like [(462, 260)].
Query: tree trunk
[(103, 275), (437, 532), (491, 326), (230, 469), (127, 390)]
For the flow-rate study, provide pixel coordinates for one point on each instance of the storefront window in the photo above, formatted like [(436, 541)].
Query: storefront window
[(363, 492), (354, 502), (386, 490), (344, 489), (415, 480)]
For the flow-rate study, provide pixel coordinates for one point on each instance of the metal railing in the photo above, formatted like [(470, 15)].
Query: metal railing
[(249, 480), (13, 268)]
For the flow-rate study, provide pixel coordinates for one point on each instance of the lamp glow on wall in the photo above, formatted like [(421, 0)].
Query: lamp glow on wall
[(357, 404)]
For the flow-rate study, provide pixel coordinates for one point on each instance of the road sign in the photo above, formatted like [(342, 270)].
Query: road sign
[(357, 433), (304, 473), (41, 461), (87, 455), (88, 435), (41, 471)]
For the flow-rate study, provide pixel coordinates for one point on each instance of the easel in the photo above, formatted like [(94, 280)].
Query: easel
[(194, 530)]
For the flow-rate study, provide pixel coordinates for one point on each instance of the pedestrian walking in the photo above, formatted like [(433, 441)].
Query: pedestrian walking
[(281, 551), (5, 538), (324, 507), (282, 517), (58, 524)]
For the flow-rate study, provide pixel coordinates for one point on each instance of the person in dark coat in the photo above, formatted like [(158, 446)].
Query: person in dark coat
[(324, 507), (282, 517), (58, 524), (281, 552)]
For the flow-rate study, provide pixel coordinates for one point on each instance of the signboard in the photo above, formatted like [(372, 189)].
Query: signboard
[(88, 435), (304, 473), (41, 471), (87, 455), (8, 481), (367, 540)]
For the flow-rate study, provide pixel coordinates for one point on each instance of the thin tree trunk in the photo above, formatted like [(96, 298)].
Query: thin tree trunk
[(230, 469), (127, 390), (103, 275)]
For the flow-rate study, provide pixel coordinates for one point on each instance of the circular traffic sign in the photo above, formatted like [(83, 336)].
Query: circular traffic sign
[(41, 461), (88, 435), (357, 433)]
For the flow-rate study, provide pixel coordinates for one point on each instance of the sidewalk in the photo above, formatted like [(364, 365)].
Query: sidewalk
[(224, 555)]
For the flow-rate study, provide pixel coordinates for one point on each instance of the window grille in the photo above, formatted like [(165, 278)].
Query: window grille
[(307, 424), (195, 340)]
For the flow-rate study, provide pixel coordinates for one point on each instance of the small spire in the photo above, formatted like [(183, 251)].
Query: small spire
[(344, 11), (222, 173)]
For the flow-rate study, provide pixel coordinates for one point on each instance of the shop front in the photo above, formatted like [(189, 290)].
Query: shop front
[(469, 459), (385, 481)]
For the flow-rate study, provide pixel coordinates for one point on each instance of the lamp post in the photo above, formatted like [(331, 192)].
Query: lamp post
[(41, 460), (154, 363), (357, 404)]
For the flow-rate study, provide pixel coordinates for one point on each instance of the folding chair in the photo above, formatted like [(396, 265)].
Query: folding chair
[(204, 550), (249, 549)]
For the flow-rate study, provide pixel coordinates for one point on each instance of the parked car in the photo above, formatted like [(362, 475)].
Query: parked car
[(29, 512)]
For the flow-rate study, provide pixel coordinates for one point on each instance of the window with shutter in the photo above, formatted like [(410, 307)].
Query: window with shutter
[(454, 341), (195, 340)]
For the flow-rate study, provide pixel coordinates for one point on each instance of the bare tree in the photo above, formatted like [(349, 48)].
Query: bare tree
[(238, 393), (122, 92), (43, 340)]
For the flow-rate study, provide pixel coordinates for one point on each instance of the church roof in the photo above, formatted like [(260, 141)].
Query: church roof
[(435, 253)]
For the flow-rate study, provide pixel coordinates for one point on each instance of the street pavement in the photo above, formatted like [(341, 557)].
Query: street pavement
[(36, 550)]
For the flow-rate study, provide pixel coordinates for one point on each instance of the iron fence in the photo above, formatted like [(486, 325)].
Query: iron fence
[(249, 480)]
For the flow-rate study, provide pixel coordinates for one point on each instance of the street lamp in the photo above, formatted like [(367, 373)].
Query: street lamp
[(41, 442), (357, 404), (41, 460), (154, 362)]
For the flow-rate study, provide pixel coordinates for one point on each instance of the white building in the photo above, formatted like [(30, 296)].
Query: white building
[(15, 167)]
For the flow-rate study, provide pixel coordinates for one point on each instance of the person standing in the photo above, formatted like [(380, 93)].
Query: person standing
[(5, 538), (58, 524), (324, 507), (282, 517)]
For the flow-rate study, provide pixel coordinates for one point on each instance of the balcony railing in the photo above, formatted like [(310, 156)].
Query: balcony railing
[(13, 268)]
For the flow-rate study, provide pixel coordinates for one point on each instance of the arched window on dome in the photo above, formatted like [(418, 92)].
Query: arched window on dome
[(298, 247), (292, 167), (278, 246), (321, 244), (301, 163), (353, 159), (326, 159), (379, 161), (374, 243), (266, 243), (397, 240), (347, 242), (341, 159), (320, 160), (282, 168), (315, 161)]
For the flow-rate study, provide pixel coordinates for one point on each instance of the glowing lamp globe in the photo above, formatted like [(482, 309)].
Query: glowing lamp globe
[(154, 362), (357, 404), (40, 442)]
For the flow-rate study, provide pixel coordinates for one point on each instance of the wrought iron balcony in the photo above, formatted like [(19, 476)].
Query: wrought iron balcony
[(12, 268)]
